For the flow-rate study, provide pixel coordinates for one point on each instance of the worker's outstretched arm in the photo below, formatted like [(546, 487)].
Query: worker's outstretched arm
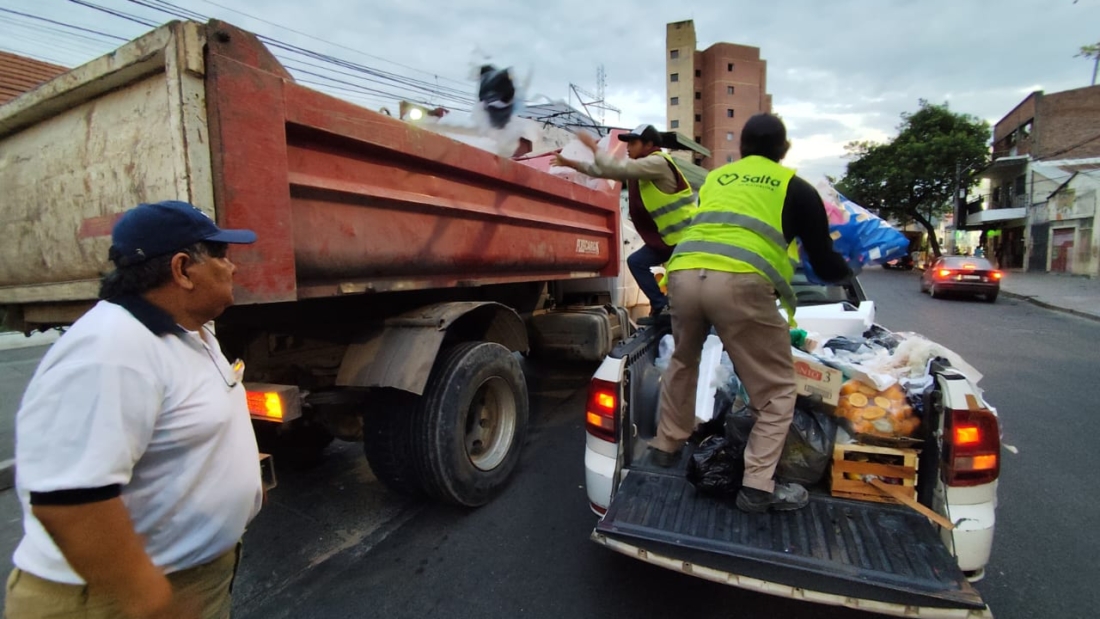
[(804, 217)]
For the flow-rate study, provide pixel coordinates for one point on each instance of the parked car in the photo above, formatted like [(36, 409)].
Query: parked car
[(963, 275)]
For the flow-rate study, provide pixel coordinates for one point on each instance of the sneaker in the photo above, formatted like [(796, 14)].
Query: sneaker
[(663, 458), (785, 497)]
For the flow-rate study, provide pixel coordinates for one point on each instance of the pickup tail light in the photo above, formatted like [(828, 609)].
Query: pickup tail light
[(601, 417), (973, 453)]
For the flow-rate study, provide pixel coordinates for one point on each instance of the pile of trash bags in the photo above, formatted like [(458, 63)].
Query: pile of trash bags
[(718, 463)]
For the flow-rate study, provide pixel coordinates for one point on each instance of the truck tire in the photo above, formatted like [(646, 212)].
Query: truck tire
[(387, 441), (471, 423)]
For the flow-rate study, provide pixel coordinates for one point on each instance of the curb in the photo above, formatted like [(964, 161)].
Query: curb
[(1045, 305), (7, 474)]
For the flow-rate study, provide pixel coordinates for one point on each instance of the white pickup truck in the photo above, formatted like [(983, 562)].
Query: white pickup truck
[(869, 556)]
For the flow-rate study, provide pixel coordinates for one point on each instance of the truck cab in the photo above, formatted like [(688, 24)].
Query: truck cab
[(871, 556)]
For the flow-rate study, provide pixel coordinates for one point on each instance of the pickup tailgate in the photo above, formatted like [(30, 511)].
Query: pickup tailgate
[(872, 556)]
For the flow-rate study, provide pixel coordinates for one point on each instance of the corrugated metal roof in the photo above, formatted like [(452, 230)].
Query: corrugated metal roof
[(18, 74)]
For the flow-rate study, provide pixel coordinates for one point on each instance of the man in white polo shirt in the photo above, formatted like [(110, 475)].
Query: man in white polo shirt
[(136, 463)]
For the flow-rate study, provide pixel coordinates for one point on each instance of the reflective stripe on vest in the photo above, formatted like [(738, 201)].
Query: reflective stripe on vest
[(737, 219), (786, 292), (672, 212)]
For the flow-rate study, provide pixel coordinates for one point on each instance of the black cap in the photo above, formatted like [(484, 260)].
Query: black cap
[(151, 230), (645, 133), (765, 126)]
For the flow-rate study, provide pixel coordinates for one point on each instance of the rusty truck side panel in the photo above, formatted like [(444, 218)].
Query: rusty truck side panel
[(344, 200)]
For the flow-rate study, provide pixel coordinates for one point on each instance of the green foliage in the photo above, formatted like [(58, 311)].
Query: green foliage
[(912, 177)]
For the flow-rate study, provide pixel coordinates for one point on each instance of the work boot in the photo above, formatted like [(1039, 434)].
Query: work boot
[(657, 315), (663, 458), (785, 497)]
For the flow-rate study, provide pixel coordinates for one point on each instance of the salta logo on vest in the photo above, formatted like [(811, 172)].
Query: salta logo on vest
[(765, 181)]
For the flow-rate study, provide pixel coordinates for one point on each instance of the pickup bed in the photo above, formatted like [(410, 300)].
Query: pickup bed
[(864, 555)]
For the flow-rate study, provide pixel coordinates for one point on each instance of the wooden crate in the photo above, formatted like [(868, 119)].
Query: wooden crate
[(892, 465)]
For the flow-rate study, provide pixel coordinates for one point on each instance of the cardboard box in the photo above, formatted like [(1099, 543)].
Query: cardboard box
[(813, 378)]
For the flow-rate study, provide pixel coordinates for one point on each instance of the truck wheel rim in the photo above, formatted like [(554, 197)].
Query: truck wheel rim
[(490, 424)]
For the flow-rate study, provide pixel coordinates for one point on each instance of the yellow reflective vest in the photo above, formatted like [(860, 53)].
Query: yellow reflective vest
[(738, 227), (672, 212)]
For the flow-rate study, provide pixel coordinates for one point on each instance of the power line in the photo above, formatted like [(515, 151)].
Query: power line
[(126, 16), (309, 36), (103, 34)]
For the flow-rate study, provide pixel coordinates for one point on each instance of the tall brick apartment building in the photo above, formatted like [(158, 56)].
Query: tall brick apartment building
[(1044, 184), (712, 93)]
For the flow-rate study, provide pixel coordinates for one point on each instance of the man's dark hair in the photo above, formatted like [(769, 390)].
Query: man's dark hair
[(764, 135), (145, 276)]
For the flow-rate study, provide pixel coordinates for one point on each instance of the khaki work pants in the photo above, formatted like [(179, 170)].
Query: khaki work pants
[(742, 309), (207, 586)]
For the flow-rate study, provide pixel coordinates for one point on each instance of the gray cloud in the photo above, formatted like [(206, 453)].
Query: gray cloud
[(845, 66)]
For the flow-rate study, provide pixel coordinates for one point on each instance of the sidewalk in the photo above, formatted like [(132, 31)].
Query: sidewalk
[(1075, 295), (10, 340)]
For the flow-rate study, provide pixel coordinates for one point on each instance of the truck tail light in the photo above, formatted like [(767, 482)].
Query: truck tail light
[(276, 403), (601, 417), (973, 453)]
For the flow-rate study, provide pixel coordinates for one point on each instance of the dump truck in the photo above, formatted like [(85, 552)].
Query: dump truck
[(398, 276)]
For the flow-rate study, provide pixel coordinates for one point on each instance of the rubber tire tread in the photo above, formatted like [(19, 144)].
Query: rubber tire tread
[(387, 442), (441, 461)]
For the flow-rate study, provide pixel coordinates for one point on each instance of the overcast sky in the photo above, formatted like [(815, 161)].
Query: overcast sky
[(839, 71)]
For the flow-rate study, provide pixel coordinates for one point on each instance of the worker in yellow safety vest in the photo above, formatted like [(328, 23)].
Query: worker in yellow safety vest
[(661, 201), (729, 267)]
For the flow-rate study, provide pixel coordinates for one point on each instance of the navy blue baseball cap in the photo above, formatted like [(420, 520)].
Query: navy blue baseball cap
[(151, 230)]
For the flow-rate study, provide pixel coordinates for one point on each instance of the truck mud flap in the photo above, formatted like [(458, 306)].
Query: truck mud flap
[(838, 547)]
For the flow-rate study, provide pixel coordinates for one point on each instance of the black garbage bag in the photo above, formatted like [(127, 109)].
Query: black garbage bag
[(718, 463), (497, 93), (716, 467), (809, 446)]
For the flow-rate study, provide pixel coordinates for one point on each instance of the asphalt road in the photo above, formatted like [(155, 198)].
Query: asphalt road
[(333, 543)]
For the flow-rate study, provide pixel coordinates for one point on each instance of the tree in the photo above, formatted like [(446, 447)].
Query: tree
[(912, 177), (1091, 51)]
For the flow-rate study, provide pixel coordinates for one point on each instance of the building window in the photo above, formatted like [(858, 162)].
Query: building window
[(729, 136), (1025, 130), (674, 101), (698, 118), (674, 54), (729, 113), (698, 161), (699, 139), (1021, 185), (675, 124), (729, 89), (729, 67), (698, 95), (729, 158), (698, 73), (675, 77)]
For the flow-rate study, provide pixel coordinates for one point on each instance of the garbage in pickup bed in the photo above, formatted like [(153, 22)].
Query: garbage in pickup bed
[(861, 237), (809, 446)]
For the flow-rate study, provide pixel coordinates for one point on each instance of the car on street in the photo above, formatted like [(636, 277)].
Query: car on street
[(965, 275)]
